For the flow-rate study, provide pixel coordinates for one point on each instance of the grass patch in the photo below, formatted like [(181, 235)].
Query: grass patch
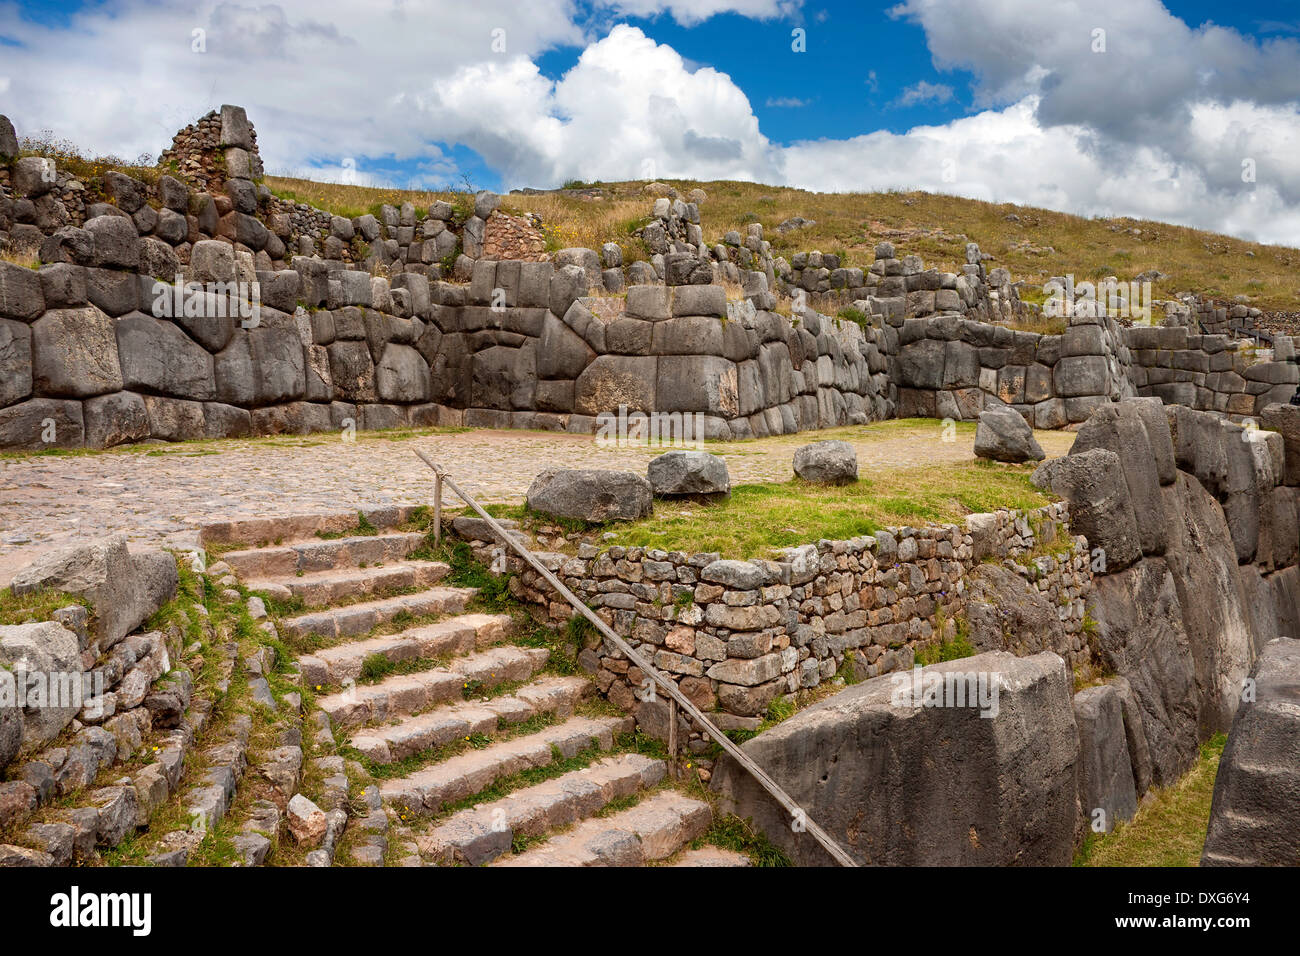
[(35, 606), (760, 518), (1169, 827), (732, 833)]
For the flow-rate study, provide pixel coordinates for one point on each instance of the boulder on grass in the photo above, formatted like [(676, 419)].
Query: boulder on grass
[(827, 463), (689, 473), (1004, 435), (590, 495)]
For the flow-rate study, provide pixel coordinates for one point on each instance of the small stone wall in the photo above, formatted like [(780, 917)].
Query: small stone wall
[(739, 633)]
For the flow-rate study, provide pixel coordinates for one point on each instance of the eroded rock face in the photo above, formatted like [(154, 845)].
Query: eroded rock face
[(898, 785), (591, 495), (1255, 816), (123, 589), (1107, 792), (1006, 613), (1141, 636), (43, 652)]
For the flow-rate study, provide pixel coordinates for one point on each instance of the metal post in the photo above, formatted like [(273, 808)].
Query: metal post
[(437, 508)]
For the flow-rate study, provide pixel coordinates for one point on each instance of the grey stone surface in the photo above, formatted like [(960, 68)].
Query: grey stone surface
[(105, 573), (1003, 435), (688, 473), (591, 495), (51, 651), (74, 353), (1255, 815), (899, 785), (1100, 507), (827, 462), (1107, 793)]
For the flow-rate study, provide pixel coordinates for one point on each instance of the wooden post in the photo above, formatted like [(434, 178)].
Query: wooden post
[(672, 738), (437, 508)]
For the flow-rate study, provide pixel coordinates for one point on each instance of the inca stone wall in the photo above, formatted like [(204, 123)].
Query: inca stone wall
[(403, 318), (740, 633)]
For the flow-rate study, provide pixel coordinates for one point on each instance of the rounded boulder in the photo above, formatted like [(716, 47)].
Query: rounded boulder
[(827, 463)]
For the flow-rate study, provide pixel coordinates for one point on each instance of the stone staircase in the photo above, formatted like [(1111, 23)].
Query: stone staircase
[(477, 747)]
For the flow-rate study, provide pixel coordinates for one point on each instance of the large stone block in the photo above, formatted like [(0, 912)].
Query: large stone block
[(41, 423), (15, 362), (1119, 428), (20, 292), (697, 383), (688, 473), (1255, 815), (156, 356), (105, 573), (402, 376), (74, 353), (116, 419), (1100, 507), (1107, 793), (1079, 375), (45, 652), (614, 380), (897, 782), (591, 495), (1141, 636)]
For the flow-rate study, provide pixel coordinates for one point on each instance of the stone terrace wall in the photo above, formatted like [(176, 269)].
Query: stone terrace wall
[(358, 327), (736, 634), (949, 367)]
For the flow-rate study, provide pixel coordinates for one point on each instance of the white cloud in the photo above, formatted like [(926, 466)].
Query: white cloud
[(1157, 126), (785, 102), (926, 92)]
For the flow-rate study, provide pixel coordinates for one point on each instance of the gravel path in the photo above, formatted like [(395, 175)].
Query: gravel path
[(159, 495)]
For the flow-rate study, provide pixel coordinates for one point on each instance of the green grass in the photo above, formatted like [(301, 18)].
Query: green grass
[(760, 518), (35, 605), (732, 833), (1169, 827)]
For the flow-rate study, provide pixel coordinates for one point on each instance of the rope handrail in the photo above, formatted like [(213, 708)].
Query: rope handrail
[(669, 687)]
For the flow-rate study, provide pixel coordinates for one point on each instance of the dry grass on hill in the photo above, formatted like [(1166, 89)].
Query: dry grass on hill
[(936, 227)]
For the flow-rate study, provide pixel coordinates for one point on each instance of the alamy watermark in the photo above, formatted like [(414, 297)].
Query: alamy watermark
[(23, 687), (211, 300), (1087, 299), (934, 688), (672, 429)]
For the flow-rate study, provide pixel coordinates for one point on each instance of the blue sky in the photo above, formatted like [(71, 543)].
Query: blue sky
[(886, 95)]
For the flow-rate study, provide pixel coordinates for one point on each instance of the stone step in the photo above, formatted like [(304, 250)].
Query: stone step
[(321, 588), (550, 695), (254, 531), (357, 619), (483, 833), (654, 829), (711, 856), (453, 637), (404, 694), (312, 556), (429, 790)]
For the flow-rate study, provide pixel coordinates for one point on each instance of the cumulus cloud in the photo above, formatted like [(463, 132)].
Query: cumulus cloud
[(1163, 123)]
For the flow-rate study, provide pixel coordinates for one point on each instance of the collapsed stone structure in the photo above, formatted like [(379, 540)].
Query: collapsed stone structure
[(404, 318)]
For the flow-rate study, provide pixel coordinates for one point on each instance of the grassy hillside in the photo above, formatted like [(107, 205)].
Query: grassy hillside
[(1034, 245)]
